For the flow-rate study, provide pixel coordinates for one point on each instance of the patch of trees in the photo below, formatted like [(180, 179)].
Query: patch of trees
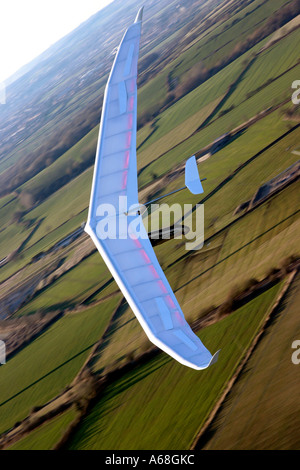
[(72, 169), (292, 114), (64, 139), (198, 74), (276, 21), (239, 295), (148, 61)]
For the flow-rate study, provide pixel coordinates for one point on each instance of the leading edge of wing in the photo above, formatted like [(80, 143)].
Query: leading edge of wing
[(206, 358), (116, 147)]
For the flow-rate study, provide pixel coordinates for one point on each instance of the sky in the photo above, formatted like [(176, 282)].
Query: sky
[(28, 27)]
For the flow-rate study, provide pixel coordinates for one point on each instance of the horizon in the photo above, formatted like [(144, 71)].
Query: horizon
[(38, 18)]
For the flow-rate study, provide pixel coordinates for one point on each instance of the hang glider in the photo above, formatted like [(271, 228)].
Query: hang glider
[(132, 260)]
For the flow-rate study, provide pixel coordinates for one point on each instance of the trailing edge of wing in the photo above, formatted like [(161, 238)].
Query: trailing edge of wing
[(134, 266)]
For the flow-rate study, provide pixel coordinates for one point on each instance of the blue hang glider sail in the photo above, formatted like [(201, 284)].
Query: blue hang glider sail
[(132, 260)]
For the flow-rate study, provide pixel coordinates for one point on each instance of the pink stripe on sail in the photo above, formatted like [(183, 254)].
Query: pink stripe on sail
[(130, 121), (145, 256), (137, 243), (124, 180), (170, 301), (127, 155), (131, 103), (128, 139), (179, 317), (154, 272), (163, 287)]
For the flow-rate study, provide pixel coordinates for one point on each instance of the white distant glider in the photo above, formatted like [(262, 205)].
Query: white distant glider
[(132, 260)]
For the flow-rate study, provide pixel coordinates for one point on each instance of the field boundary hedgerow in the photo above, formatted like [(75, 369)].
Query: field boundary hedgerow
[(200, 438)]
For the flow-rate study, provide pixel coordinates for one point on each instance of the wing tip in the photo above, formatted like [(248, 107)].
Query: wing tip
[(139, 16), (206, 365), (88, 228), (214, 358)]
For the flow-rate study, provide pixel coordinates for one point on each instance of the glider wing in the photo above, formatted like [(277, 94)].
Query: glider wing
[(131, 259)]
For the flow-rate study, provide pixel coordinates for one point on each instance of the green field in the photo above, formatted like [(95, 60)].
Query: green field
[(46, 436), (71, 288), (208, 50), (237, 255), (124, 417), (259, 170), (268, 390), (48, 364)]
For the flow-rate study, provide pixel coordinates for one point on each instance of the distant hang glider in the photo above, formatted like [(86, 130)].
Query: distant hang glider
[(132, 260)]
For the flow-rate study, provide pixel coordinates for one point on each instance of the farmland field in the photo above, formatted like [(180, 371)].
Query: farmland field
[(47, 365), (276, 381), (215, 80), (165, 386), (45, 437), (236, 255)]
